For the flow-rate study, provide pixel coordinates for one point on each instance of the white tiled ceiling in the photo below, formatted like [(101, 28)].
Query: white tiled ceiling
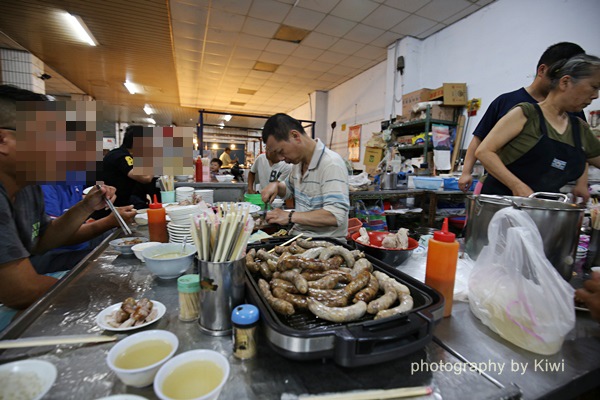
[(197, 54)]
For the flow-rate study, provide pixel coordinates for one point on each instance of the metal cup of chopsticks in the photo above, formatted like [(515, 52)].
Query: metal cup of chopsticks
[(112, 208)]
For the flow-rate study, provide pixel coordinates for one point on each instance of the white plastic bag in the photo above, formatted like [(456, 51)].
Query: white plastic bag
[(516, 291)]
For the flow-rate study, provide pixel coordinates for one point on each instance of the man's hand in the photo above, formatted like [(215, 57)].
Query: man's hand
[(269, 192), (590, 295), (581, 190), (95, 199), (522, 190), (127, 213), (278, 216), (465, 181)]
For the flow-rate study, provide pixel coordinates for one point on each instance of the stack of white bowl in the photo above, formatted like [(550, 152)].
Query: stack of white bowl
[(205, 195), (180, 224), (184, 193)]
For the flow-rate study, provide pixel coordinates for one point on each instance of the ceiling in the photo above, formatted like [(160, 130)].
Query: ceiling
[(187, 55)]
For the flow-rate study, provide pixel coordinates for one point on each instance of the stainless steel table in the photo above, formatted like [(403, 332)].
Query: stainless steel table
[(105, 278)]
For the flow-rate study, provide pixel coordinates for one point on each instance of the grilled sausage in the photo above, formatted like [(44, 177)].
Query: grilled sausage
[(293, 276), (250, 263), (279, 306), (263, 255), (327, 282), (297, 262), (331, 298), (264, 270), (295, 249), (272, 265), (298, 301), (337, 314), (312, 253), (309, 244), (406, 304), (361, 264), (338, 250), (357, 254), (367, 294), (361, 280), (280, 249), (383, 302), (285, 285)]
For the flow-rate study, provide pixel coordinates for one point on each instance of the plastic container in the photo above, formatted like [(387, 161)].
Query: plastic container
[(157, 222), (440, 271), (244, 319), (188, 287), (255, 199), (427, 182), (354, 224), (452, 184)]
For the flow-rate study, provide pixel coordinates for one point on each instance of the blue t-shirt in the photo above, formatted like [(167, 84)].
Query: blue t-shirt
[(58, 198), (502, 105)]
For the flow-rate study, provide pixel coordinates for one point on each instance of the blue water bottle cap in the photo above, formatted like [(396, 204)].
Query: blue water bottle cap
[(246, 314)]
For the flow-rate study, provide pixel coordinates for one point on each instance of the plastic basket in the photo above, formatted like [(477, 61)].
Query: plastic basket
[(427, 182)]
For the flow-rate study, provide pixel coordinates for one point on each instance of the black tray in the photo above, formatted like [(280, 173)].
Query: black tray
[(303, 336)]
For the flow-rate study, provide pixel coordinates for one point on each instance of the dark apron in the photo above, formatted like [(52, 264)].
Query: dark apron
[(547, 166)]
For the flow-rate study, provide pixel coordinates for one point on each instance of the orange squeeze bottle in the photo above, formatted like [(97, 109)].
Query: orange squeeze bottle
[(157, 222), (440, 272)]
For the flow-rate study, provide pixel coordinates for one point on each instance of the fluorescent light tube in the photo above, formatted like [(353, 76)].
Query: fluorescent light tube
[(130, 86), (227, 118), (152, 121), (148, 110), (82, 30)]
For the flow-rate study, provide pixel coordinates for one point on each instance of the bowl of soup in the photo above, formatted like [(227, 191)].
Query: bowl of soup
[(169, 260), (137, 358), (193, 375)]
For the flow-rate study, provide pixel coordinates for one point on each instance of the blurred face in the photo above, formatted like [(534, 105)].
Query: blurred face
[(214, 166), (583, 91), (52, 149), (285, 150)]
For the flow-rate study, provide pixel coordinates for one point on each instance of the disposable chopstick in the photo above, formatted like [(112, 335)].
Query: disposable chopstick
[(288, 242), (117, 215), (372, 394), (197, 243), (54, 340)]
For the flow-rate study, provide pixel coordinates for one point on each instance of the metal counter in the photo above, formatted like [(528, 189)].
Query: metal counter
[(106, 277)]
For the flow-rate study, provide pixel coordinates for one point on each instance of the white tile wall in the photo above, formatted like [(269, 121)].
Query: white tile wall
[(22, 69)]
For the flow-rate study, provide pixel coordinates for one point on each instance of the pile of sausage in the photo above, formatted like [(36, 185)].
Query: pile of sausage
[(330, 281)]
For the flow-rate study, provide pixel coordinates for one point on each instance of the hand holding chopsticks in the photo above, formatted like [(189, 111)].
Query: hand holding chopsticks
[(112, 208)]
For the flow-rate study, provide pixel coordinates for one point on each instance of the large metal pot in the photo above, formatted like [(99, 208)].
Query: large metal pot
[(559, 223), (389, 181)]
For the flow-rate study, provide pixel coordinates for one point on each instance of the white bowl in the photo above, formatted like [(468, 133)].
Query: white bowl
[(169, 268), (19, 374), (184, 358), (138, 248), (184, 189), (224, 178), (140, 377)]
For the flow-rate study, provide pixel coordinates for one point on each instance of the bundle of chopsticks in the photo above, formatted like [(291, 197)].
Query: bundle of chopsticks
[(594, 215), (167, 183), (222, 236)]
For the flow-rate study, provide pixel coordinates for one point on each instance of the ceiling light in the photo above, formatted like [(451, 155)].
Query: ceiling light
[(130, 86), (251, 92), (264, 66), (227, 118), (237, 103), (82, 30), (152, 121), (232, 146), (291, 34), (215, 146), (148, 110)]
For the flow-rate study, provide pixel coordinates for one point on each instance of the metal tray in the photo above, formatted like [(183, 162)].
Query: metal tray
[(303, 336)]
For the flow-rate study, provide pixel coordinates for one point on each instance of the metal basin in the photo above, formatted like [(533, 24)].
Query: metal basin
[(558, 222)]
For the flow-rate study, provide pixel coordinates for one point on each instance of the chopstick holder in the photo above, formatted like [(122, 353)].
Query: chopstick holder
[(117, 215)]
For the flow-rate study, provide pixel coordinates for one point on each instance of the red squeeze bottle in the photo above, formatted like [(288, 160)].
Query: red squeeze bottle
[(157, 222), (198, 169), (440, 272)]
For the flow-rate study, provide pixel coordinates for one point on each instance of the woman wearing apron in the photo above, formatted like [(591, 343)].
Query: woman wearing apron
[(538, 147)]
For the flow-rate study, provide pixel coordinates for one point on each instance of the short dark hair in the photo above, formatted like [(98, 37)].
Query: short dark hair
[(9, 96), (218, 161), (279, 126), (131, 132), (227, 149), (559, 51)]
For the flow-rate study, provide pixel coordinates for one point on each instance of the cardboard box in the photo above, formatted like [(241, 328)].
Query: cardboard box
[(444, 113), (453, 94), (373, 156), (412, 98)]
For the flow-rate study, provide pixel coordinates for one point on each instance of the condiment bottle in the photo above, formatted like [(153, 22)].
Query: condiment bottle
[(157, 222), (440, 272), (199, 169), (188, 287), (244, 319)]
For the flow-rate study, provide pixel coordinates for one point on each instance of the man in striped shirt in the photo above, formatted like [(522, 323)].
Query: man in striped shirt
[(318, 181)]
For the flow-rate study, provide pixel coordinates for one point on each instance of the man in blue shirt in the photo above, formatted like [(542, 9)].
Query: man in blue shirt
[(534, 93)]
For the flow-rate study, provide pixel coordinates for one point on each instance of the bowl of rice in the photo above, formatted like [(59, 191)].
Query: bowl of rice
[(26, 379)]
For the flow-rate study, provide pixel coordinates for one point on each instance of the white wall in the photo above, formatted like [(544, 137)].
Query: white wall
[(494, 50)]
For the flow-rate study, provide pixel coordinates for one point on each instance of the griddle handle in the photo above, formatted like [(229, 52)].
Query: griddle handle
[(362, 344)]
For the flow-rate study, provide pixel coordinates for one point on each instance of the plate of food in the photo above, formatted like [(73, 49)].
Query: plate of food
[(26, 379), (130, 315), (125, 244)]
